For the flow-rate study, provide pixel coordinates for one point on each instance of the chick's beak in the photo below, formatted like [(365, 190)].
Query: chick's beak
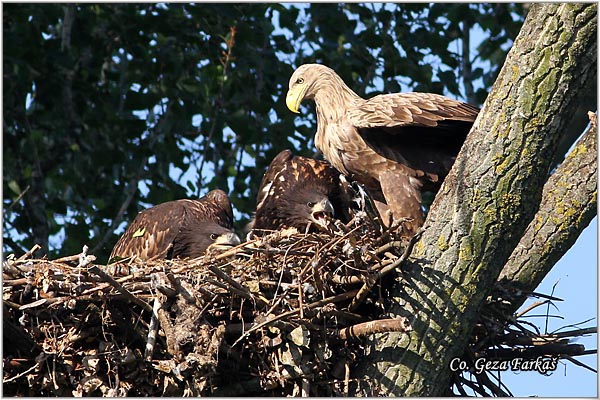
[(321, 211), (225, 241)]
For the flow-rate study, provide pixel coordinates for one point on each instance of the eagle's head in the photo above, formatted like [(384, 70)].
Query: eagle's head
[(308, 208), (207, 226), (201, 237), (219, 238), (308, 81), (299, 192)]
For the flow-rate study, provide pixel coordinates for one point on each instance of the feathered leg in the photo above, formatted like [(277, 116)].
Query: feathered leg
[(403, 199)]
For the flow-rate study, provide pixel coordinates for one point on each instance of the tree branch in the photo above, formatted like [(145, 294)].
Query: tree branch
[(465, 62), (569, 202)]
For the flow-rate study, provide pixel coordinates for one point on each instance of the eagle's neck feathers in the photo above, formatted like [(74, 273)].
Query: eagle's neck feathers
[(332, 98)]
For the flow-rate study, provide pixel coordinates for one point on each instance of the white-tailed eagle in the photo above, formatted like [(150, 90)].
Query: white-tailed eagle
[(397, 145), (180, 228)]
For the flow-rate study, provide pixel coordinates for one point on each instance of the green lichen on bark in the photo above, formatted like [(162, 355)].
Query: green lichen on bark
[(569, 203)]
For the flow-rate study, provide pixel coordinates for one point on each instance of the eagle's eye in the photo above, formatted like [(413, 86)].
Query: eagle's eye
[(300, 81), (310, 204), (213, 236)]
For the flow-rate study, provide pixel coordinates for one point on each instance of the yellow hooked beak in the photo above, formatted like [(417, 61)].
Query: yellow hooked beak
[(294, 97), (225, 241)]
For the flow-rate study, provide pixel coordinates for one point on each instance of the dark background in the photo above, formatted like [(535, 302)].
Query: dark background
[(112, 108)]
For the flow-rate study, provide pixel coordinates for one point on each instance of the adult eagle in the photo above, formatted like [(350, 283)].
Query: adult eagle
[(179, 228), (396, 145), (299, 192)]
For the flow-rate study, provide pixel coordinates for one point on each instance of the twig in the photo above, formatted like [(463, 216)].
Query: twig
[(36, 365), (459, 384), (400, 324), (343, 279), (218, 99), (576, 332), (107, 278), (67, 259), (346, 377), (332, 299), (543, 296), (557, 338), (531, 307), (305, 392), (35, 248), (487, 382), (179, 289), (396, 244), (221, 274), (362, 293), (152, 330), (535, 351), (579, 363), (374, 278), (14, 282), (165, 323), (404, 256), (16, 201), (203, 260), (300, 294), (571, 325), (84, 260), (241, 293), (273, 250), (240, 289)]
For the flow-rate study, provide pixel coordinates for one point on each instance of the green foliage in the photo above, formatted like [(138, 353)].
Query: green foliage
[(110, 108)]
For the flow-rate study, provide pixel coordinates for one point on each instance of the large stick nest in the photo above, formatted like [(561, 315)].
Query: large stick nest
[(280, 315)]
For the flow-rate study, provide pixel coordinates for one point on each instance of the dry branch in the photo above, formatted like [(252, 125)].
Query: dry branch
[(367, 328)]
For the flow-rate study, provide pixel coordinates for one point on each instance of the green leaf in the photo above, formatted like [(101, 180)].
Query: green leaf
[(14, 187)]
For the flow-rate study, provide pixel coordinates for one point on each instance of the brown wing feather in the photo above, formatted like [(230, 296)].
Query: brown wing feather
[(276, 167), (402, 109), (152, 232), (423, 131), (422, 118), (180, 228)]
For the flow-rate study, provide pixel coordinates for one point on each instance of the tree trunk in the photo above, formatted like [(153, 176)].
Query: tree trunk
[(487, 200)]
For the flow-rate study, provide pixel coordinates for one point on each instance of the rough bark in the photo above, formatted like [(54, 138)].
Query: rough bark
[(487, 201), (569, 203)]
